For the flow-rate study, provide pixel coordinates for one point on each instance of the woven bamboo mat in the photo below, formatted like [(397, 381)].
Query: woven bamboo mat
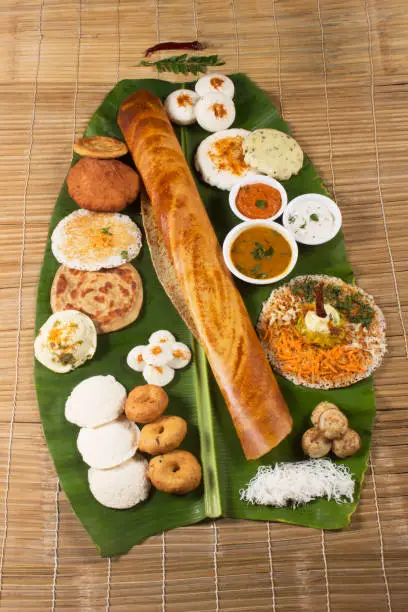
[(339, 69)]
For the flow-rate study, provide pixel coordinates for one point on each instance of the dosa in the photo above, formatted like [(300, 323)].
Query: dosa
[(222, 324)]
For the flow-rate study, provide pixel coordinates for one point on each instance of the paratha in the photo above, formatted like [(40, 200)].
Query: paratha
[(111, 298), (350, 352)]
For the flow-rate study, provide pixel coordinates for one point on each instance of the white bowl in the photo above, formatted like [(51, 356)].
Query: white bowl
[(238, 229), (251, 180), (318, 198)]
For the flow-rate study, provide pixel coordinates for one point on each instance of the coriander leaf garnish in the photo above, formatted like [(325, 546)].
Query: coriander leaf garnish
[(262, 275), (303, 225), (258, 252), (185, 64), (256, 269), (269, 252), (124, 254), (314, 217), (261, 204), (106, 230), (292, 219)]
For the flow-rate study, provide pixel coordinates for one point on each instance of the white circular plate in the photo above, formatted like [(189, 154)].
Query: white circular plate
[(252, 180)]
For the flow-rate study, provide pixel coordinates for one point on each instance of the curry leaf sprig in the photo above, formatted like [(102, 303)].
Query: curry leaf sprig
[(185, 64)]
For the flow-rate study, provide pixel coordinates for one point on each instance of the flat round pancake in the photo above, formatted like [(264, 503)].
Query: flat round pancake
[(273, 153), (102, 147), (103, 185), (87, 240), (111, 298)]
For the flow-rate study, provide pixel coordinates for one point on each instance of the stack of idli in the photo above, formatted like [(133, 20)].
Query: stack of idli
[(107, 442)]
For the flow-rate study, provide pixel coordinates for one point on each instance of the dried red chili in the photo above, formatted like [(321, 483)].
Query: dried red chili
[(195, 45)]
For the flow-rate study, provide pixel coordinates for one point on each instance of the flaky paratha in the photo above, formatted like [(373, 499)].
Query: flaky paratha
[(111, 298)]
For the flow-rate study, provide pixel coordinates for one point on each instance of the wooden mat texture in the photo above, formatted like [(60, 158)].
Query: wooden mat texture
[(340, 71)]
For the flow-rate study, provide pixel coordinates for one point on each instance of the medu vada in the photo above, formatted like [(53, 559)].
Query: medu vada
[(177, 472), (163, 435), (146, 403)]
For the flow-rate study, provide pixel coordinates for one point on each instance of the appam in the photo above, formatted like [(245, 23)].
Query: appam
[(111, 298), (122, 486), (95, 401), (104, 185), (86, 240), (108, 445)]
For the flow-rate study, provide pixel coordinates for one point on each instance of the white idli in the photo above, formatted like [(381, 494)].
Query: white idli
[(135, 359), (181, 356), (220, 158), (86, 240), (158, 375), (95, 401), (180, 106), (162, 336), (108, 445), (215, 112), (122, 486), (215, 83), (65, 341)]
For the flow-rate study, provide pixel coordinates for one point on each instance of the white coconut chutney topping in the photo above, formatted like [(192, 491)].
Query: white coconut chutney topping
[(311, 220)]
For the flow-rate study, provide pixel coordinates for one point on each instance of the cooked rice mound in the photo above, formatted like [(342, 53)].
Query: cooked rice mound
[(321, 367)]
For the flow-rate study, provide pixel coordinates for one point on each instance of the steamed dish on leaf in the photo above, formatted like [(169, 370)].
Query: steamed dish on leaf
[(90, 241), (273, 153), (215, 83), (101, 147), (323, 343), (220, 158), (180, 106), (122, 486), (108, 445), (104, 185), (95, 401), (65, 341), (215, 112), (112, 298)]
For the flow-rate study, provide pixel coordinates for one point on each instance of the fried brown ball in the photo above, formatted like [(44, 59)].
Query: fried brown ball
[(146, 403), (346, 446), (104, 185), (318, 411), (101, 147), (315, 444), (333, 423), (163, 435), (177, 472)]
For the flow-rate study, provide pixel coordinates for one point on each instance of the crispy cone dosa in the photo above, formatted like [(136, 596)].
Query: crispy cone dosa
[(214, 305)]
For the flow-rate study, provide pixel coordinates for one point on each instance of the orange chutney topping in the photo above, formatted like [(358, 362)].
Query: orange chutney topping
[(216, 82), (219, 110), (227, 154), (258, 201), (184, 100)]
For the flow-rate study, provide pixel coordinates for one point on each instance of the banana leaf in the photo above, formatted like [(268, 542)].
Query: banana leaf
[(194, 393)]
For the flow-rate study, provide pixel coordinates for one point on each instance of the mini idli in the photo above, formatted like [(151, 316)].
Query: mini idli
[(215, 83), (95, 401), (180, 106), (215, 112), (121, 487), (108, 445)]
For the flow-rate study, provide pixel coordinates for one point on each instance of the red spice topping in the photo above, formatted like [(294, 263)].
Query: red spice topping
[(219, 110), (216, 82), (184, 100)]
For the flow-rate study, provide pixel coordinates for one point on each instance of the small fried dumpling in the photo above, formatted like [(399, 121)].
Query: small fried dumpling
[(135, 358), (333, 423), (215, 112), (181, 356), (215, 83), (314, 443), (180, 106), (161, 336), (158, 375)]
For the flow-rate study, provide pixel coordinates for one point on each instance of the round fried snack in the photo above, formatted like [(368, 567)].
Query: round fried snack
[(318, 411), (162, 436), (102, 147), (315, 444), (346, 446), (333, 423), (177, 472), (146, 403), (102, 185), (112, 298)]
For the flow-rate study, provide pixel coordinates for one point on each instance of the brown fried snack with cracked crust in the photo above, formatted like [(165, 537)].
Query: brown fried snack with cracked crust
[(177, 472), (111, 298), (146, 403), (102, 185), (162, 436)]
